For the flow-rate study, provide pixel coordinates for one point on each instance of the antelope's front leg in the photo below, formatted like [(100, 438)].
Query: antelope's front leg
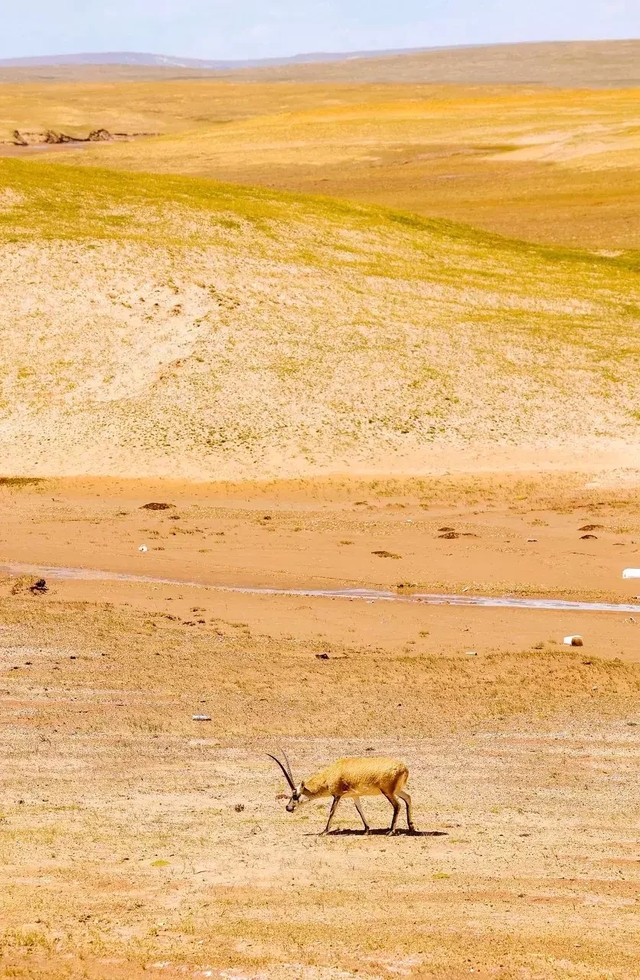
[(358, 807), (334, 807)]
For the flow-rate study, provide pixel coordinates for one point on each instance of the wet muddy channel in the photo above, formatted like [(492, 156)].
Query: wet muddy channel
[(368, 595)]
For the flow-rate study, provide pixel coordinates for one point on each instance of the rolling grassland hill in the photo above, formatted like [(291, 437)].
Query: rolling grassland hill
[(162, 325), (565, 64), (542, 165), (175, 106)]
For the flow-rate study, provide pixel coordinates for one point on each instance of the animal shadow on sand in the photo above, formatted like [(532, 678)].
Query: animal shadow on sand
[(383, 832)]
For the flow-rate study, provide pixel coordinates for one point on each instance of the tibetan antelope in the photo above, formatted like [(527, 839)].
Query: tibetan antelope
[(353, 778)]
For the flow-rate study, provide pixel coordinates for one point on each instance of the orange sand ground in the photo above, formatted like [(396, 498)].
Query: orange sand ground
[(135, 841)]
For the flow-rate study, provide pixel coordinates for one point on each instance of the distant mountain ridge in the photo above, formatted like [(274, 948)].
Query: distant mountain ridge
[(562, 64), (147, 60)]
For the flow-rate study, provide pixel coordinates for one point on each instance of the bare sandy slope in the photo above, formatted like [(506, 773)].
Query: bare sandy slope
[(165, 326)]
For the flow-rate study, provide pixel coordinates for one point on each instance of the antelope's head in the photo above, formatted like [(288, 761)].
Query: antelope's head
[(298, 794)]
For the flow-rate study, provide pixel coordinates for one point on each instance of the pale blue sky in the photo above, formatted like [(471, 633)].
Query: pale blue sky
[(264, 28)]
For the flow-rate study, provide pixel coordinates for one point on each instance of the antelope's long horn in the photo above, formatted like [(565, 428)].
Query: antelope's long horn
[(287, 764), (284, 771)]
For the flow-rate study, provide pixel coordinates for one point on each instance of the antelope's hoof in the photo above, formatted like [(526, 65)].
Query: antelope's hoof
[(391, 833), (366, 831)]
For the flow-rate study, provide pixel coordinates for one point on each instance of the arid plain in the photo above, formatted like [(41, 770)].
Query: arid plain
[(422, 381)]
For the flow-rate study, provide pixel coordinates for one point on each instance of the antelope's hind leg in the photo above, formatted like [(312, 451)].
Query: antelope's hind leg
[(395, 803), (334, 807), (358, 806), (402, 793)]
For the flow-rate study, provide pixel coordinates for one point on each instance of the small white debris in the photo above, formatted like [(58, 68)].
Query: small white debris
[(200, 717), (471, 653), (631, 573), (143, 547), (573, 641)]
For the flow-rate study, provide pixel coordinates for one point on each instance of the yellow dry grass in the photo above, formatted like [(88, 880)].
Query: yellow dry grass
[(168, 106)]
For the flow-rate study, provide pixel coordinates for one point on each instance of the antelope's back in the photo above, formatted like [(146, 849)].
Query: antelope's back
[(371, 775)]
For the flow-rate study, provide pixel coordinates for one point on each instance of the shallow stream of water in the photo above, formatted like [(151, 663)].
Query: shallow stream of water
[(370, 595)]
